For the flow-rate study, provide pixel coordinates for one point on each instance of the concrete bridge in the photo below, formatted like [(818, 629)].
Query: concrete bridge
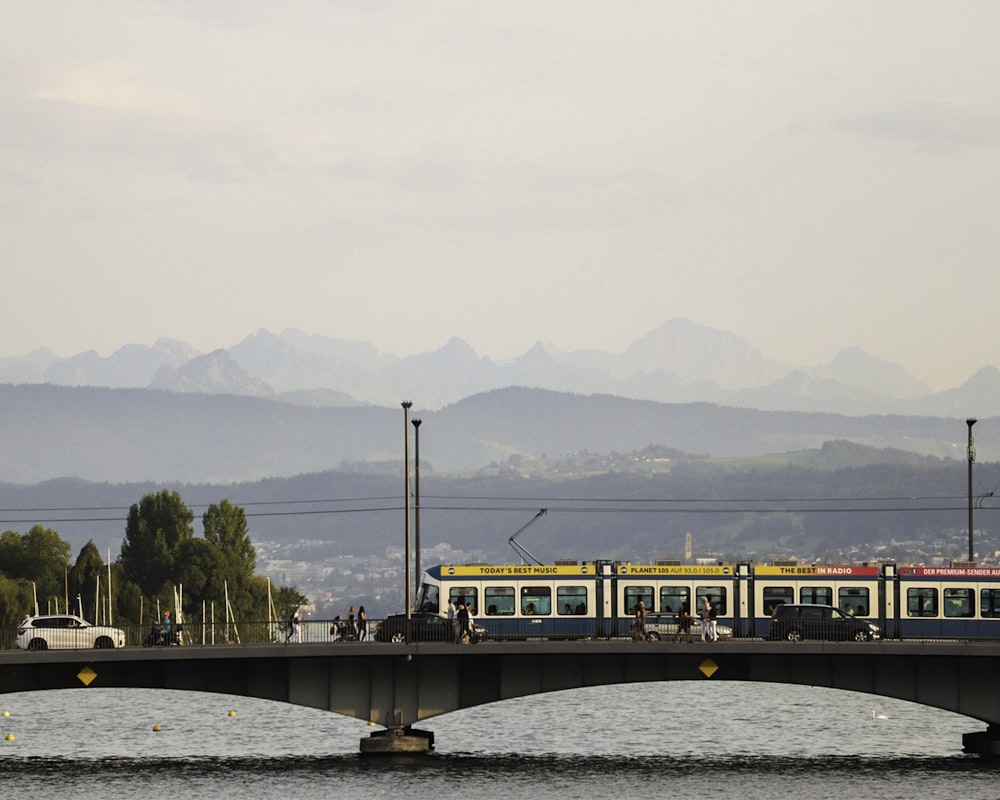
[(398, 685)]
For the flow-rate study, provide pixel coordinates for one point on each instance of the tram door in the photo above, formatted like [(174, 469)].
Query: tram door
[(743, 600), (888, 601), (604, 617)]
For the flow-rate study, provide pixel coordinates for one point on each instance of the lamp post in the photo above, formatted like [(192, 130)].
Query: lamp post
[(971, 453), (406, 504), (416, 505)]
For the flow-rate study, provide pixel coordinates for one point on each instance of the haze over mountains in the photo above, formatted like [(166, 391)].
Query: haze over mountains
[(291, 404), (304, 418), (679, 362)]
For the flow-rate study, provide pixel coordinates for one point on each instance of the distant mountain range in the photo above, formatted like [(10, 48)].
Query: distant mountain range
[(129, 435), (679, 362)]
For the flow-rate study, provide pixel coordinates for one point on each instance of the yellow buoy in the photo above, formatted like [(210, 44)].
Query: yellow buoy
[(232, 712), (9, 737), (6, 713), (157, 728)]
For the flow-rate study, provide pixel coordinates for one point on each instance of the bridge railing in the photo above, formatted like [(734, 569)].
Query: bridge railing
[(423, 628), (188, 634)]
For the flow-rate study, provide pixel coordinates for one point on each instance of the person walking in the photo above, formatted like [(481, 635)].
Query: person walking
[(640, 621), (166, 629), (453, 619), (470, 623), (683, 622), (462, 616), (706, 620), (362, 624), (293, 626)]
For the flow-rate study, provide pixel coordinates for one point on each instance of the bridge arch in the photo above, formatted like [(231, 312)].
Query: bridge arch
[(397, 685)]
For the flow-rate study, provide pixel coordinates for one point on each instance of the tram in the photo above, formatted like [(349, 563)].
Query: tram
[(597, 598)]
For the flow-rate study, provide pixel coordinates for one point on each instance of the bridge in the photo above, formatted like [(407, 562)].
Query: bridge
[(398, 685)]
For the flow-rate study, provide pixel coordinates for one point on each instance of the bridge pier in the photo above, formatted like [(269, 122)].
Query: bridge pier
[(983, 743), (397, 740)]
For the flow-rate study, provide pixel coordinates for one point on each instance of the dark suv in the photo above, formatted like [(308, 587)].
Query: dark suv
[(424, 627), (795, 622)]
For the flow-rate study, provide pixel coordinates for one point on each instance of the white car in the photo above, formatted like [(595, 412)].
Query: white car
[(664, 626), (66, 632)]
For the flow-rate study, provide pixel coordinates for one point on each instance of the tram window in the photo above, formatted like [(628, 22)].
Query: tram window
[(716, 596), (816, 594), (571, 600), (854, 600), (672, 597), (775, 596), (466, 595), (959, 603), (633, 594), (536, 601), (499, 601), (428, 598), (989, 603), (921, 602)]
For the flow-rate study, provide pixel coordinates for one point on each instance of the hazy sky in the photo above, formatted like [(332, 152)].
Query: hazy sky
[(807, 175)]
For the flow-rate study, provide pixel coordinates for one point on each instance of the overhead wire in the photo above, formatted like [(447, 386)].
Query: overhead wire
[(917, 504)]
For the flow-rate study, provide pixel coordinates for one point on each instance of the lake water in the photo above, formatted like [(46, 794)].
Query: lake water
[(687, 739)]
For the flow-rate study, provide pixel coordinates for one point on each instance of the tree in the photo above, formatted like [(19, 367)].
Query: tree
[(155, 529), (199, 566), (85, 576), (16, 601), (226, 531), (39, 556), (226, 526)]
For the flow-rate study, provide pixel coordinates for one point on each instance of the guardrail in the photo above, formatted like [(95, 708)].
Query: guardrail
[(188, 634), (393, 629)]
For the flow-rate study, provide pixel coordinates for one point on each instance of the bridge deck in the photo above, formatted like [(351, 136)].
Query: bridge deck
[(396, 685)]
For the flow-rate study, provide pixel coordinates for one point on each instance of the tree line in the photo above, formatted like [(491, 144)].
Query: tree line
[(159, 554)]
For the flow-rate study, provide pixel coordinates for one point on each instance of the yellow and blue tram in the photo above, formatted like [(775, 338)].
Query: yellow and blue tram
[(598, 598)]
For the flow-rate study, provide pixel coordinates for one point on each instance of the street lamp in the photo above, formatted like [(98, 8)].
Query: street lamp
[(416, 504), (971, 453), (406, 504)]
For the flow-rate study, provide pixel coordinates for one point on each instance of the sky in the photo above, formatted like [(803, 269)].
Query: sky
[(806, 175)]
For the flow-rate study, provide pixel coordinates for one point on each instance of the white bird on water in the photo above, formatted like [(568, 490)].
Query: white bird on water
[(878, 716)]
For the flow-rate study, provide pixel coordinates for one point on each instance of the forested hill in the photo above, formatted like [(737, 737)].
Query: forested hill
[(129, 435), (838, 501)]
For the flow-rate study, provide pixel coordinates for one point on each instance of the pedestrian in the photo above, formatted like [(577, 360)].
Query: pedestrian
[(453, 619), (352, 631), (713, 623), (470, 623), (706, 607), (684, 622), (362, 624), (462, 616), (293, 626), (640, 621), (707, 617), (166, 630)]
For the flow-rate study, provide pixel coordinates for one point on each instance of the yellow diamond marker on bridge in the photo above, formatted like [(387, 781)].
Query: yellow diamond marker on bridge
[(709, 667), (86, 676)]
